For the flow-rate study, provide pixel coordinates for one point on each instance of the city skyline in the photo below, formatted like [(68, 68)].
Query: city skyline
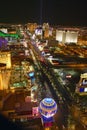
[(43, 77), (55, 12)]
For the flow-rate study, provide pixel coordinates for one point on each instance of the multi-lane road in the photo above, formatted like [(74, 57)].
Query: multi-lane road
[(65, 106)]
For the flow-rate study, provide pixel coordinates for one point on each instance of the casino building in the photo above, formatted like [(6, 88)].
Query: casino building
[(67, 36), (5, 57)]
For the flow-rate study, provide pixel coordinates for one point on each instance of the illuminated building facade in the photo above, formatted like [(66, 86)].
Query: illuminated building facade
[(47, 30), (3, 43), (4, 30), (5, 57), (13, 35), (46, 33), (4, 77), (2, 66), (31, 26), (67, 36), (81, 87)]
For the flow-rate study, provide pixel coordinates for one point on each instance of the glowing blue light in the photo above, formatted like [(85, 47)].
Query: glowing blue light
[(48, 100), (31, 74), (81, 89)]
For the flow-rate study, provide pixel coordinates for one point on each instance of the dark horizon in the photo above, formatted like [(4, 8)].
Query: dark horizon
[(55, 12)]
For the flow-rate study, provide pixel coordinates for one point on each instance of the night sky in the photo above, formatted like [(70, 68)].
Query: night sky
[(55, 12)]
